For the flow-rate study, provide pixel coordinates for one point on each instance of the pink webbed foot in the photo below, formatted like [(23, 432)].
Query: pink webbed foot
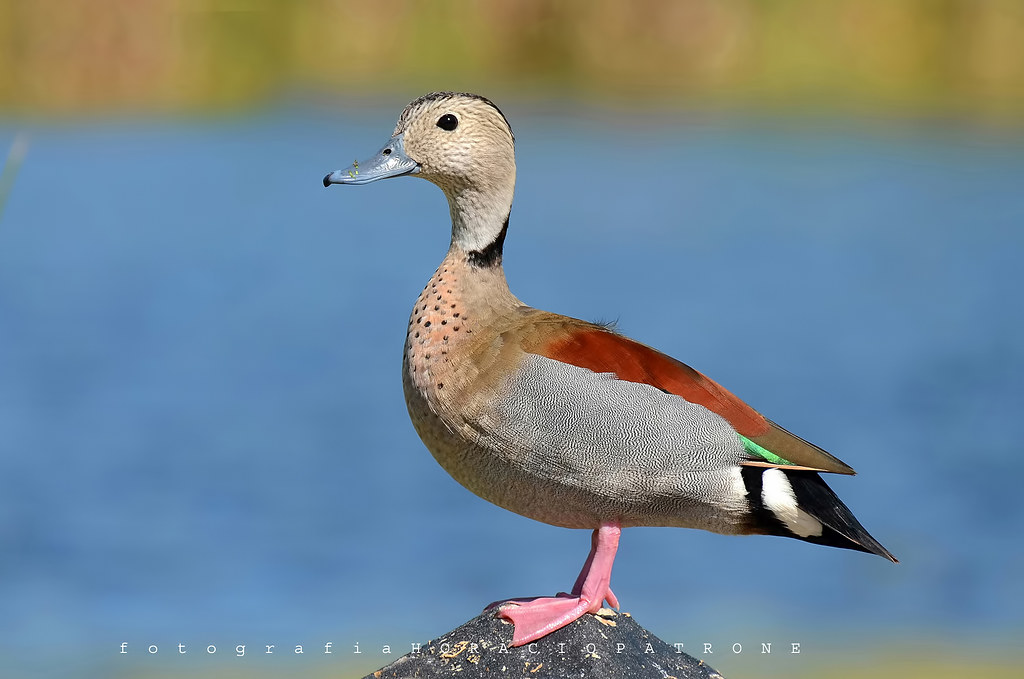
[(536, 618)]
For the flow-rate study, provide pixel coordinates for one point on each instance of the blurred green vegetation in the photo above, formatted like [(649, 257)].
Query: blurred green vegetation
[(930, 57)]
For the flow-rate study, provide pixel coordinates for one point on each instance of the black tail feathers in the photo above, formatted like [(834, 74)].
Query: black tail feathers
[(839, 527)]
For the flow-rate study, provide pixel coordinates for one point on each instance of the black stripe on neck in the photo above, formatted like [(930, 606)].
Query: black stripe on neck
[(490, 256)]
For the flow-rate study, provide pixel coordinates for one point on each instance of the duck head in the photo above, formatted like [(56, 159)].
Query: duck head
[(462, 143)]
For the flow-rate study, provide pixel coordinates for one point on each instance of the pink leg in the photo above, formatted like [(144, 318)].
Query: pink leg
[(578, 587), (536, 618)]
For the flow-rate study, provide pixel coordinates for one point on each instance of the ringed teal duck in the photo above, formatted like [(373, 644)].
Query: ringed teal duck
[(565, 421)]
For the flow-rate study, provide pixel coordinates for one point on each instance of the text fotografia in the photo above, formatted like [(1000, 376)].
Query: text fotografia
[(453, 650)]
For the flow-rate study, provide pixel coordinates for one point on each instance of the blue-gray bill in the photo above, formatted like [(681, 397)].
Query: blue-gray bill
[(391, 161)]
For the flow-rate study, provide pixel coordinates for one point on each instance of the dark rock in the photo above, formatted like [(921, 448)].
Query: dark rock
[(607, 645)]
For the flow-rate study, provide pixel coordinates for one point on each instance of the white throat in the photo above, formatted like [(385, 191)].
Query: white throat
[(478, 216)]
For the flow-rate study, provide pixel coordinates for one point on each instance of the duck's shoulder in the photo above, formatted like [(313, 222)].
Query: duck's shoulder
[(601, 348)]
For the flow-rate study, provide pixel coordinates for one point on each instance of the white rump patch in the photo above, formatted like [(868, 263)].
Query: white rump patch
[(777, 495)]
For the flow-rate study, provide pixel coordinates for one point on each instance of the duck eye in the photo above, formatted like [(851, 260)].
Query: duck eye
[(448, 122)]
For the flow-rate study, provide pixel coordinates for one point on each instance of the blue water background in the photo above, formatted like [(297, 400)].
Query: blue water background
[(202, 432)]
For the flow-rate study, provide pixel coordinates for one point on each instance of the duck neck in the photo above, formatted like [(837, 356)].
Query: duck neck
[(479, 224)]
